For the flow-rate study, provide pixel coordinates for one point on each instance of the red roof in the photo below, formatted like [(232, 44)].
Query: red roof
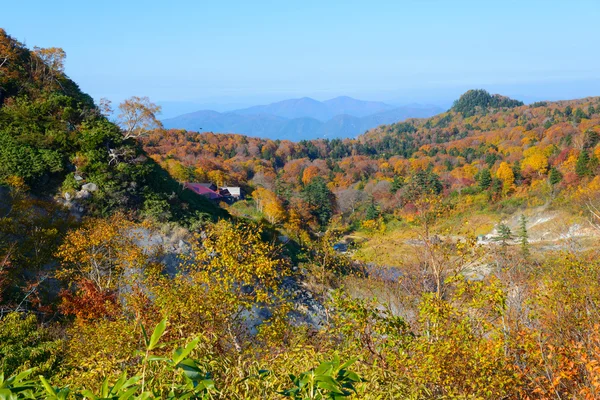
[(203, 191)]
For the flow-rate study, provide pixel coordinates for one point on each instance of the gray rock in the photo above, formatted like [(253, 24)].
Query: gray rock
[(78, 178), (82, 194), (90, 187), (67, 196)]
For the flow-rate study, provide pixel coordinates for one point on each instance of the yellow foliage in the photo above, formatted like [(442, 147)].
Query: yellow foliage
[(506, 175), (536, 159)]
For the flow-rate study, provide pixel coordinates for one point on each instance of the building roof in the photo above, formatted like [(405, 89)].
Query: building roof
[(203, 190), (233, 190)]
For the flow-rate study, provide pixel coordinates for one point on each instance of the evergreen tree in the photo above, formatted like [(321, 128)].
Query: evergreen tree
[(579, 115), (591, 110), (568, 111), (554, 176), (397, 184), (517, 172), (523, 235), (581, 167), (484, 178), (504, 235), (372, 210), (320, 199)]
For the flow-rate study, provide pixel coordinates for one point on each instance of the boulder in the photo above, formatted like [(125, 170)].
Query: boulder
[(90, 187), (82, 194)]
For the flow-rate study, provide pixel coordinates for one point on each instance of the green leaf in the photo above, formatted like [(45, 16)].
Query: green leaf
[(158, 332), (181, 354), (348, 363), (330, 387), (49, 389)]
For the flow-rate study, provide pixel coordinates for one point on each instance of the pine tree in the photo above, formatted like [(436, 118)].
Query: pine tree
[(523, 236), (581, 167), (320, 198), (554, 176), (591, 110), (485, 178), (372, 211), (397, 184), (504, 235)]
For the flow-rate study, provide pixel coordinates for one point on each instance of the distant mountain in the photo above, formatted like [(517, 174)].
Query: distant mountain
[(293, 108), (299, 119), (357, 108)]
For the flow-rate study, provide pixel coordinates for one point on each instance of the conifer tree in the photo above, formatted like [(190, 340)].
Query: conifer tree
[(485, 178), (554, 176), (372, 210), (523, 235), (504, 235), (581, 167)]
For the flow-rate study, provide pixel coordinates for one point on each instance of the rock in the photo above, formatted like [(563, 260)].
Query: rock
[(78, 178), (90, 187), (82, 194), (67, 196)]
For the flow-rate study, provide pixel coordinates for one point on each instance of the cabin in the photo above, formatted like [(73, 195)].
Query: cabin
[(205, 189), (234, 191), (229, 194)]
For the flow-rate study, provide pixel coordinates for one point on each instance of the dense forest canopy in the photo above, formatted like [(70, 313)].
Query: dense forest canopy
[(475, 101)]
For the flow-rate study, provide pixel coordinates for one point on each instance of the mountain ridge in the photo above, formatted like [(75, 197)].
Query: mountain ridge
[(301, 119)]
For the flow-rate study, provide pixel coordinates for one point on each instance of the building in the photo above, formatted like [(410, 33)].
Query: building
[(235, 192), (204, 189)]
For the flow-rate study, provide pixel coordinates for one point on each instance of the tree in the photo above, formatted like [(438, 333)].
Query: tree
[(506, 175), (47, 64), (581, 166), (372, 210), (320, 199), (504, 235), (100, 251), (232, 271), (523, 235), (554, 176), (484, 178), (138, 116), (309, 173)]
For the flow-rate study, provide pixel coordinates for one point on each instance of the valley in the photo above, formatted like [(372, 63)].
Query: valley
[(407, 252)]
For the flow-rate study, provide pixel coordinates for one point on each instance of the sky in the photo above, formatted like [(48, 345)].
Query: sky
[(227, 53)]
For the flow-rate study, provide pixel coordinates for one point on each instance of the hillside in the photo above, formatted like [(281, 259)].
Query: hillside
[(301, 119), (55, 139), (497, 154)]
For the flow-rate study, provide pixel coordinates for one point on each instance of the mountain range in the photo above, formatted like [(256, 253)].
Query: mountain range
[(302, 119)]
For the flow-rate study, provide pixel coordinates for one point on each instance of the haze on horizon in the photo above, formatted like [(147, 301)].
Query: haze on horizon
[(226, 55)]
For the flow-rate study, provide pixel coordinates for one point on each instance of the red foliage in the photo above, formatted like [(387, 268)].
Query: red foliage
[(89, 303)]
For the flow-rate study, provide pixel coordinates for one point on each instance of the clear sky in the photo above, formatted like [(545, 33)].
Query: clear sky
[(241, 52)]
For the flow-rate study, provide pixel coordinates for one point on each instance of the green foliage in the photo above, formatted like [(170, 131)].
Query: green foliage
[(582, 166), (554, 176), (425, 182), (188, 380), (523, 235), (24, 345), (320, 198), (372, 211), (484, 178), (474, 101), (504, 235), (330, 380), (48, 127)]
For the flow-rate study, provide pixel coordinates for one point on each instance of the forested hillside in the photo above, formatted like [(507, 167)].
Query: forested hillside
[(496, 153), (115, 282)]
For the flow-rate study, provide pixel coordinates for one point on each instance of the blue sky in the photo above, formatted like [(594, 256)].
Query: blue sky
[(229, 53)]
